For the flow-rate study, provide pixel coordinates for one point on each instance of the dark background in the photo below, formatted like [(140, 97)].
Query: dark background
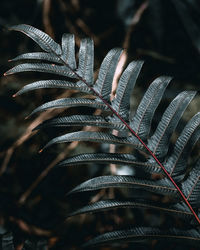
[(163, 33)]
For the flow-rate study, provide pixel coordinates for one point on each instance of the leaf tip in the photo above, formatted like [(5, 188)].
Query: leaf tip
[(7, 73), (40, 151), (70, 192)]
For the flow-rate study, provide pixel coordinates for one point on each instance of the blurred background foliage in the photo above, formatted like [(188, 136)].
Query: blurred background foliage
[(163, 33)]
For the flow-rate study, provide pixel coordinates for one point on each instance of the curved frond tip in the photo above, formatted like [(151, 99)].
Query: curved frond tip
[(41, 38)]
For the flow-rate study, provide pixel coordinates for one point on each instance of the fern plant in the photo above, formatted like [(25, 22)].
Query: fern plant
[(150, 154)]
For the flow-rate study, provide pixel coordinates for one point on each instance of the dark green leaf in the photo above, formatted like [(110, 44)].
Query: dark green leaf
[(95, 137), (41, 38), (68, 50), (70, 102), (108, 158), (53, 84), (7, 242), (103, 84), (191, 186), (38, 56), (163, 186), (141, 123), (175, 210), (42, 67), (83, 120), (177, 162), (138, 234), (86, 60), (159, 142), (121, 103)]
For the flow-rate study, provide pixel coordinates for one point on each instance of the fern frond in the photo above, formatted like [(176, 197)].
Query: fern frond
[(60, 60), (38, 56), (119, 181), (83, 120), (177, 162), (191, 186), (42, 67), (104, 81), (138, 234), (96, 137), (108, 158), (7, 242), (159, 142), (70, 102), (104, 205), (86, 60), (53, 84), (41, 38), (141, 122), (68, 51), (121, 103)]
